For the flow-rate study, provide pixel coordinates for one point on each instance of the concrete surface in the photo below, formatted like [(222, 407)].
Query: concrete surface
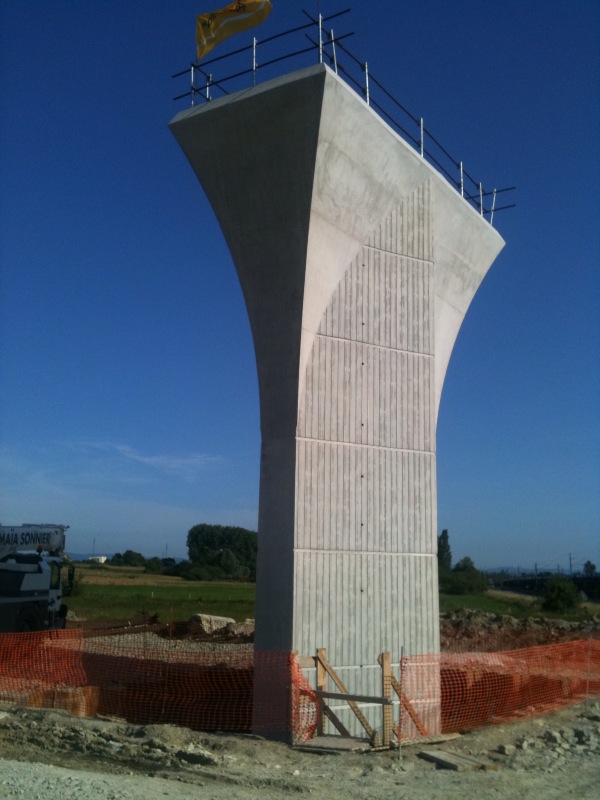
[(358, 262)]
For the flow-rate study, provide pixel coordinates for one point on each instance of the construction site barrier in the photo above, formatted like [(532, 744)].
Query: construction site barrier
[(479, 689), (145, 678)]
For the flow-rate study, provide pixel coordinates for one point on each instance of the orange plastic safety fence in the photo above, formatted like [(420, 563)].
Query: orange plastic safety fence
[(146, 678), (478, 689), (35, 672)]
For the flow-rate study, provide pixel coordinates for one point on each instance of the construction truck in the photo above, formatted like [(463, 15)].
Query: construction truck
[(33, 577)]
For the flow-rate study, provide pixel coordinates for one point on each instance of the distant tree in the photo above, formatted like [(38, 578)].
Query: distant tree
[(117, 560), (560, 594), (153, 565), (444, 553), (229, 563), (242, 574), (465, 578), (223, 551), (466, 564), (194, 572), (589, 569), (133, 559), (181, 569)]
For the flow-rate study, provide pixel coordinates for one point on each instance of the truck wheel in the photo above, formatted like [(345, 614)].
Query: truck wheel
[(29, 619)]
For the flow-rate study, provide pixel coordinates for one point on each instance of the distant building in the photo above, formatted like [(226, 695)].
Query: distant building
[(98, 559)]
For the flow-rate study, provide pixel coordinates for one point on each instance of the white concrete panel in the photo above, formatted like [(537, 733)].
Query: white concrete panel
[(356, 281)]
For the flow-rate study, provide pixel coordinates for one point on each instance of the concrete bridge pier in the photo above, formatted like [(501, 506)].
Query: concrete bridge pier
[(358, 262)]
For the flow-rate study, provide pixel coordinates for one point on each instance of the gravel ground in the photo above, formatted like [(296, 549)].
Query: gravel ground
[(48, 754)]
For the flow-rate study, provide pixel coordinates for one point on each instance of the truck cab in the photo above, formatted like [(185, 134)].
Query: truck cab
[(33, 581)]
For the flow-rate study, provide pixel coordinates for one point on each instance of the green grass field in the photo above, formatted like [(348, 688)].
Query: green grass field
[(122, 593), (485, 602), (171, 602)]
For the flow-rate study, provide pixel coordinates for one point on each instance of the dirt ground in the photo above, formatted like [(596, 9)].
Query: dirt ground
[(557, 756), (554, 756)]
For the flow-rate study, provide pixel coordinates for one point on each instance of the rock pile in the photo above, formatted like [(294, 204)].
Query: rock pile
[(467, 629), (555, 749)]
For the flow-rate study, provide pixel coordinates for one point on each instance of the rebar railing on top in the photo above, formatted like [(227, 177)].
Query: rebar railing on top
[(328, 46)]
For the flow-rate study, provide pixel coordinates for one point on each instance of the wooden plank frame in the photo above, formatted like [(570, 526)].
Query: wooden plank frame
[(409, 709), (385, 661), (389, 684), (321, 659), (321, 685)]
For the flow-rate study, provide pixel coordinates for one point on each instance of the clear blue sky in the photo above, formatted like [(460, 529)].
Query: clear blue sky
[(128, 404)]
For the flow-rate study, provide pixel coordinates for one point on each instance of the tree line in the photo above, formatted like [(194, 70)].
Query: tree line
[(464, 577), (215, 552), (558, 592), (220, 552)]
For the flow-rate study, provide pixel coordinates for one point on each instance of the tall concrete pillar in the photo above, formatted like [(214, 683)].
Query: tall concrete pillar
[(358, 262)]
